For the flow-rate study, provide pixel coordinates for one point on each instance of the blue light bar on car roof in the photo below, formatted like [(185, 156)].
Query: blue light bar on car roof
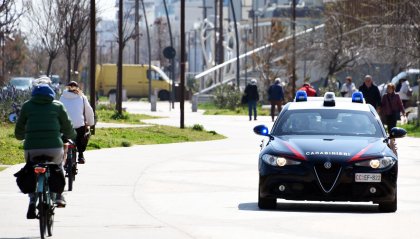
[(357, 97), (301, 96)]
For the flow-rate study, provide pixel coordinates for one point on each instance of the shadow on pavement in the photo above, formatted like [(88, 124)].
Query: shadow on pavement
[(314, 207)]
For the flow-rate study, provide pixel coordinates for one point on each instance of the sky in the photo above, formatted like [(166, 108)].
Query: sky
[(106, 8)]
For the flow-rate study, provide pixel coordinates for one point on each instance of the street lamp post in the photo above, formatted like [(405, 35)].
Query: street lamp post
[(237, 43), (173, 58), (150, 50)]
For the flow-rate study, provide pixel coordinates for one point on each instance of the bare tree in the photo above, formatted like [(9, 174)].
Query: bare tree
[(126, 32), (76, 20), (9, 15), (47, 27), (15, 54), (267, 62), (340, 48)]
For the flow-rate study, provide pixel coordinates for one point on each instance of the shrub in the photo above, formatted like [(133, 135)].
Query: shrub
[(8, 97), (198, 127), (227, 97)]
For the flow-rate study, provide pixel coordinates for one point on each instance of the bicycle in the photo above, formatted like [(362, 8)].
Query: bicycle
[(70, 165), (44, 196)]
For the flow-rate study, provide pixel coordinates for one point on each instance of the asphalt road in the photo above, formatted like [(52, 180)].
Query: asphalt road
[(203, 190)]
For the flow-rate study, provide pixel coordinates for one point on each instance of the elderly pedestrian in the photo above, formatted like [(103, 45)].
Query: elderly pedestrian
[(392, 107), (348, 87), (276, 97), (251, 93), (371, 92)]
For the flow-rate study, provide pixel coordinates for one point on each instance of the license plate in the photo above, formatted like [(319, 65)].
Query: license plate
[(368, 177)]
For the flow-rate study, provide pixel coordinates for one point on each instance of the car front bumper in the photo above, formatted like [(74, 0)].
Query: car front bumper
[(303, 183)]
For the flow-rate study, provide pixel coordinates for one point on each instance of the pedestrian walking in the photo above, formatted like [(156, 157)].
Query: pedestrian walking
[(252, 96), (405, 92), (371, 92), (348, 87), (276, 97), (392, 107)]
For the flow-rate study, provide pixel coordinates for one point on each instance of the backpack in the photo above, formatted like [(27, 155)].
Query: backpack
[(26, 178), (56, 181)]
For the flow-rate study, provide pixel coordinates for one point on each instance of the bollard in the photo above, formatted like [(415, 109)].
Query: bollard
[(194, 103), (113, 98), (153, 100)]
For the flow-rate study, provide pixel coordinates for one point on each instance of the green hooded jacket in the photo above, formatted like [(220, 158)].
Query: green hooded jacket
[(41, 122)]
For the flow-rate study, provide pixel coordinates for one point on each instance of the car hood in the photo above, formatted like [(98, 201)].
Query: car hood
[(342, 148)]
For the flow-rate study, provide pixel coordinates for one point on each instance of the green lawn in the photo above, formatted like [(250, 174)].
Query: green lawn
[(211, 109), (110, 116), (412, 130), (12, 150)]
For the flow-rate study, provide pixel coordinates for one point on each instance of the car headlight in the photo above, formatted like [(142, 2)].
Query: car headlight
[(377, 163), (278, 161)]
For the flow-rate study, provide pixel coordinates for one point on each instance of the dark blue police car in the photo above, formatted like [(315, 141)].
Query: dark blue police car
[(328, 149)]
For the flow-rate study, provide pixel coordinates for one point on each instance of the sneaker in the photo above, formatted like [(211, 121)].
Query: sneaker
[(60, 201), (81, 160), (31, 214)]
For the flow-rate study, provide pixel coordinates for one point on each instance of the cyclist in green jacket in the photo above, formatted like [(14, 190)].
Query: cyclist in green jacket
[(41, 123)]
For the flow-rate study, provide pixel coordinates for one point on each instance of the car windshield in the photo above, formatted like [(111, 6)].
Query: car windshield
[(327, 122)]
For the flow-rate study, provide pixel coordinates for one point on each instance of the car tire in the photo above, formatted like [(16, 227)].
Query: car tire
[(163, 95), (265, 202), (388, 206)]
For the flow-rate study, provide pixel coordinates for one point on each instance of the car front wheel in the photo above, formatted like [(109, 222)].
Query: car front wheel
[(388, 206), (265, 202)]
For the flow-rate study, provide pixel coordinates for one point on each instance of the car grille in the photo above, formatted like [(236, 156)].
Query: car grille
[(327, 177)]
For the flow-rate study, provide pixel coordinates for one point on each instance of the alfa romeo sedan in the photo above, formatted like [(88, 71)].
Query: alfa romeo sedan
[(328, 149)]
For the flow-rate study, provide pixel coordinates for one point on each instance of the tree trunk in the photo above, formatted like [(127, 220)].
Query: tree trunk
[(118, 105)]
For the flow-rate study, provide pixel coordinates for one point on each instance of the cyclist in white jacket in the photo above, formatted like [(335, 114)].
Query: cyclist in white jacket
[(81, 115)]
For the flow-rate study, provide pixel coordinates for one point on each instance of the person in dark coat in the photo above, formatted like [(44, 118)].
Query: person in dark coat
[(392, 107), (41, 122), (276, 97), (251, 92), (371, 92)]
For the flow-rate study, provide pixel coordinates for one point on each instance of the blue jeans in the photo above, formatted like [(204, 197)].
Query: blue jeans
[(252, 106)]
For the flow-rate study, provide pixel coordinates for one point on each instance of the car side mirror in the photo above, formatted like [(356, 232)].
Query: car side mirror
[(397, 132)]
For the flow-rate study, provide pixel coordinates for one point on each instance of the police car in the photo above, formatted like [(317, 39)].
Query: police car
[(328, 149)]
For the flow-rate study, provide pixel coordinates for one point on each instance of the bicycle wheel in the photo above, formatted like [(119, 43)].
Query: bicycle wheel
[(42, 213), (50, 217), (74, 163), (69, 169)]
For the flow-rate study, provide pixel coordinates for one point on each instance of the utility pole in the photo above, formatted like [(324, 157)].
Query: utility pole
[(149, 74), (118, 105), (293, 46), (92, 91), (221, 51), (182, 83), (173, 58), (137, 33), (216, 45), (237, 45)]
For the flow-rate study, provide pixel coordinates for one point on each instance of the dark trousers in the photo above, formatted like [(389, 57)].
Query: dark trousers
[(81, 142), (275, 103), (391, 122), (252, 106)]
